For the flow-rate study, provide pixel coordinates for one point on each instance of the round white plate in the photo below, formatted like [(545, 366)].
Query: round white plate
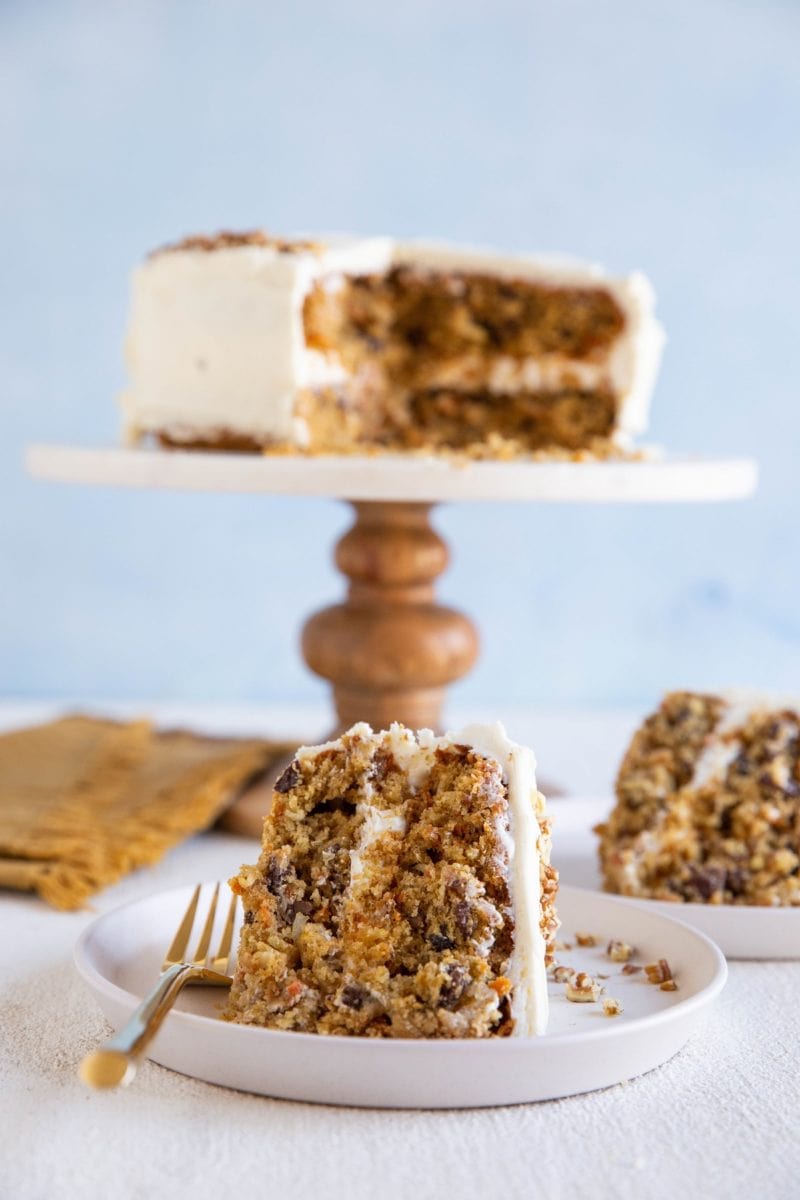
[(119, 957), (741, 931), (398, 477)]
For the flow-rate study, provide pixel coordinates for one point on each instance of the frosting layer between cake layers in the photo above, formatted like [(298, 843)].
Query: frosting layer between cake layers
[(246, 340)]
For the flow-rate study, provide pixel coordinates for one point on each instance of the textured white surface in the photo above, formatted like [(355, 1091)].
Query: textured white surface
[(718, 1121)]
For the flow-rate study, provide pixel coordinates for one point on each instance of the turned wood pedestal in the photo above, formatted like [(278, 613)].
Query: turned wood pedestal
[(390, 649)]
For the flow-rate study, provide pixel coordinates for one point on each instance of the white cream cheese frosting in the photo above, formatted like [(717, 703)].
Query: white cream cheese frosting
[(528, 973), (216, 342), (215, 339)]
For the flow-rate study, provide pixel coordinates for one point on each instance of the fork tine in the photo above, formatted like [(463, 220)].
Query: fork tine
[(201, 953), (221, 962), (177, 950)]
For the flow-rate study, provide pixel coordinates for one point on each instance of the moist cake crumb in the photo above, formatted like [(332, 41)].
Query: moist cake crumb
[(708, 803), (385, 902)]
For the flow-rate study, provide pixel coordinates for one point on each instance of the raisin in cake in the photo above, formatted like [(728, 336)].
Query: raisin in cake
[(708, 803), (404, 890), (243, 341)]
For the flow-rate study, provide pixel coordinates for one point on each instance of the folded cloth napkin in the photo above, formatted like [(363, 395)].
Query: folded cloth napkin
[(84, 801)]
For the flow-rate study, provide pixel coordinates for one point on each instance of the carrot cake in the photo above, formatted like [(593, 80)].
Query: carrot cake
[(250, 342), (708, 803), (404, 890)]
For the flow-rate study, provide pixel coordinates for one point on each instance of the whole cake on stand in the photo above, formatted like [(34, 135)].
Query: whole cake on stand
[(242, 341), (394, 376)]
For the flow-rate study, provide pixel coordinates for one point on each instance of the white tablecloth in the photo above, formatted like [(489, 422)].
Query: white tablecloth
[(722, 1119)]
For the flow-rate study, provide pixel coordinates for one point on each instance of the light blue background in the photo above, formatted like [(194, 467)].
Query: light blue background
[(654, 135)]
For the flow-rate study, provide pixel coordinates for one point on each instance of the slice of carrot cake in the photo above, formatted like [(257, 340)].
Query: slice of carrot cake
[(404, 890), (246, 341), (708, 803)]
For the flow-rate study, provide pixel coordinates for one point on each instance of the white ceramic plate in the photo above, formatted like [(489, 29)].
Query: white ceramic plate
[(741, 931), (119, 955)]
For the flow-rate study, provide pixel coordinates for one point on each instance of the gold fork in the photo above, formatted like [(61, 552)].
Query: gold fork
[(115, 1062)]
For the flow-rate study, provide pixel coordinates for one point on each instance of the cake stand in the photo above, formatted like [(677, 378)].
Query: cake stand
[(389, 649)]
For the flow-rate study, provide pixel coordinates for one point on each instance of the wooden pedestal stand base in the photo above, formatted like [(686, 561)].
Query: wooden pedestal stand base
[(390, 650)]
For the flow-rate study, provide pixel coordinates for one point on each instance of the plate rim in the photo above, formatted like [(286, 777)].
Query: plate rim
[(681, 1009)]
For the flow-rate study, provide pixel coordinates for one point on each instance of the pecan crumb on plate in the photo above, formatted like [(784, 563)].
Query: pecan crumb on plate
[(582, 989), (619, 951), (660, 973)]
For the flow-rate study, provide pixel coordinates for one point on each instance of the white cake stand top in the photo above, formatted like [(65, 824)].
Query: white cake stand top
[(398, 478)]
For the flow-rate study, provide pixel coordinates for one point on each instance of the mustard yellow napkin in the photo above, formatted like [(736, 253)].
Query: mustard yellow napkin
[(84, 801)]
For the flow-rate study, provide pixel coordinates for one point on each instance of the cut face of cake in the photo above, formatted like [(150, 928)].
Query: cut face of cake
[(242, 341), (404, 890), (708, 803)]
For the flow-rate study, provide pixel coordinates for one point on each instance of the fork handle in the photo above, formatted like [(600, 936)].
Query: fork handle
[(114, 1063)]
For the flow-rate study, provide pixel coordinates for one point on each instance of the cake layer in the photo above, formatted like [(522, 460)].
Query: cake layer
[(428, 329), (708, 803), (594, 331), (232, 339), (447, 419), (404, 890)]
